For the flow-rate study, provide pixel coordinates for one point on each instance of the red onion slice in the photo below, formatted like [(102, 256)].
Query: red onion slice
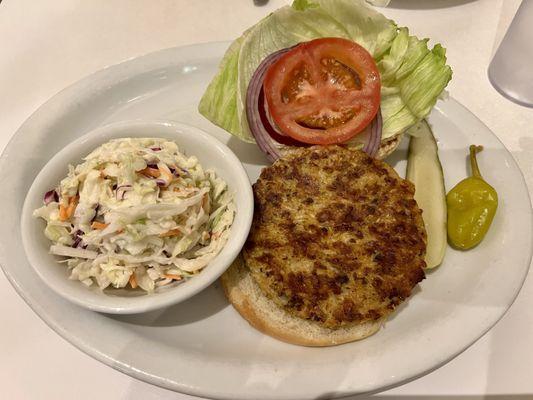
[(271, 127), (266, 117), (253, 114), (374, 140)]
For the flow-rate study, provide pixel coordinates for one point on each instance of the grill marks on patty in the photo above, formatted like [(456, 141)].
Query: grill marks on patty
[(337, 236)]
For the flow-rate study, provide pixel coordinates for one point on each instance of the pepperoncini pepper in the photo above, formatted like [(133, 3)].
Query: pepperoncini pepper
[(472, 204)]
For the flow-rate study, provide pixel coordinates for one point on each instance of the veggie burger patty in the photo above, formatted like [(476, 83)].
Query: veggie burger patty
[(337, 236)]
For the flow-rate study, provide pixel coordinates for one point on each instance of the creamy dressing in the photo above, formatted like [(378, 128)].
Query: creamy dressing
[(138, 213)]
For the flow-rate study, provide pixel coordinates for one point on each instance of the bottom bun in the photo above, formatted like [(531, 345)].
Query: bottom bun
[(264, 315), (388, 146)]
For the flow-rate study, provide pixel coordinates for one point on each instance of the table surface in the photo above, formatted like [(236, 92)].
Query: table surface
[(46, 46)]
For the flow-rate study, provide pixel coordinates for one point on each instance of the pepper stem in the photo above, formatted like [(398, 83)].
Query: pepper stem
[(473, 160)]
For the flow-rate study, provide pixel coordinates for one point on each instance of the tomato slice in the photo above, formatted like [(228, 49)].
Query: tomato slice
[(324, 91)]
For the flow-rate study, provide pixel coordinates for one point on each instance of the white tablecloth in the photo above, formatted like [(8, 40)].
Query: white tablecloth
[(47, 45)]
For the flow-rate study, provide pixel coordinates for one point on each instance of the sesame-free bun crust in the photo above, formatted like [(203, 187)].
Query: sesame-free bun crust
[(388, 146), (264, 315)]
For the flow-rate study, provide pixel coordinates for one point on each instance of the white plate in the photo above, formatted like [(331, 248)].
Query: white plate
[(202, 346)]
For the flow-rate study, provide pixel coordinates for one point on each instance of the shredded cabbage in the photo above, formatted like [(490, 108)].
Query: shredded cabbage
[(138, 213)]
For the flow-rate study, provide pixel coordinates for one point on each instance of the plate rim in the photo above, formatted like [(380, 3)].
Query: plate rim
[(180, 386)]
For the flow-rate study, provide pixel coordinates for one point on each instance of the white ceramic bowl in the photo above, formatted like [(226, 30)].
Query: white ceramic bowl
[(210, 152)]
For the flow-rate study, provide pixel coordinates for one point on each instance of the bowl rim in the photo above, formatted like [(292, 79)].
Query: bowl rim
[(169, 296)]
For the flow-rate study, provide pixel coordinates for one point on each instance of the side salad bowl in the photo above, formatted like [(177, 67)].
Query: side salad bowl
[(192, 141)]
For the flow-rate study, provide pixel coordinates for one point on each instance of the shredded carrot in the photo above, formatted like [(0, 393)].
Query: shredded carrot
[(172, 232), (173, 277), (168, 175), (72, 204), (65, 212), (153, 172), (99, 225), (62, 213), (133, 281)]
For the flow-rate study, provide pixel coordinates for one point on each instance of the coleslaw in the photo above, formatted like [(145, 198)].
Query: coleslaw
[(137, 213)]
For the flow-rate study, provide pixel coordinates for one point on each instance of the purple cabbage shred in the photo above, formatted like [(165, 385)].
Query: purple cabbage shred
[(121, 191), (51, 196), (77, 238), (95, 212)]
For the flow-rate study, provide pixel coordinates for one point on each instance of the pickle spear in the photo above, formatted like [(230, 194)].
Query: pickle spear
[(424, 170)]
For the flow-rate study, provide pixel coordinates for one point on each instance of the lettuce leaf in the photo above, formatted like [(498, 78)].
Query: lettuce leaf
[(219, 102), (413, 76)]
